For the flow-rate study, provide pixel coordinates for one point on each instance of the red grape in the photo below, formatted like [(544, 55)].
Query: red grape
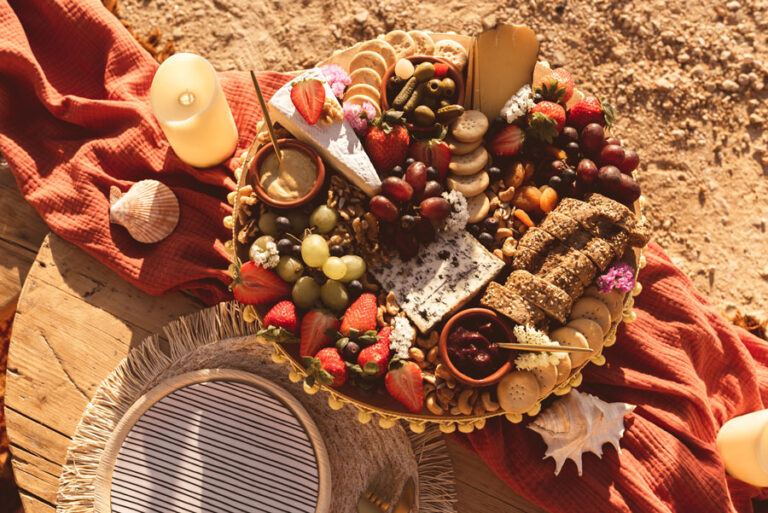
[(435, 209), (630, 162), (586, 171), (554, 167), (628, 190), (570, 134), (432, 189), (608, 177), (397, 189), (592, 138), (424, 231), (383, 208), (611, 155), (416, 175), (613, 140)]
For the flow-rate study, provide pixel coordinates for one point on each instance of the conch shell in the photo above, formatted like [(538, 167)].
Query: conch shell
[(580, 423), (149, 210)]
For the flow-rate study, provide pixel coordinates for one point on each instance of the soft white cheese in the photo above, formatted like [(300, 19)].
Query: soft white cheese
[(442, 277), (336, 143)]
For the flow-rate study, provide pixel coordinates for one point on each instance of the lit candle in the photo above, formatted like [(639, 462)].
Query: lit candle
[(743, 445), (190, 106)]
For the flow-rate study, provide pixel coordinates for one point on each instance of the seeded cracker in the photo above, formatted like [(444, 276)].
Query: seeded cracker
[(499, 298), (554, 301), (564, 279)]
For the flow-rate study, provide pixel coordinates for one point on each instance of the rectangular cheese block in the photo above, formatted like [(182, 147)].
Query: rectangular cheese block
[(336, 143), (505, 59), (442, 277)]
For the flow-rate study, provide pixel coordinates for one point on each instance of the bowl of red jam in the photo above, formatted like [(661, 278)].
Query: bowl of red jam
[(468, 347)]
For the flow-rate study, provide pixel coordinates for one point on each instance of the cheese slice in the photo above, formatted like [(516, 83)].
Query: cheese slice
[(506, 56), (336, 143), (442, 277)]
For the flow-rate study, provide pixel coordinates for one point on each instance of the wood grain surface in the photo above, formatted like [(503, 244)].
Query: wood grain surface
[(76, 320)]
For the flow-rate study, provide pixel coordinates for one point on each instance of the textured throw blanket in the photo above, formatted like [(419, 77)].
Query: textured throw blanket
[(75, 119)]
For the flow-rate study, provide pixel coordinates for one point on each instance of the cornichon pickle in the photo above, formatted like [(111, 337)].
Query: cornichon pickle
[(415, 99), (423, 116), (449, 113), (448, 87), (434, 88), (424, 71), (405, 93)]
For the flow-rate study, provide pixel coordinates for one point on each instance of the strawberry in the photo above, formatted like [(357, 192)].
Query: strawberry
[(591, 110), (507, 141), (252, 284), (432, 152), (373, 359), (384, 335), (441, 70), (546, 120), (282, 316), (556, 87), (308, 96), (404, 383), (387, 142), (314, 331), (326, 368), (360, 316)]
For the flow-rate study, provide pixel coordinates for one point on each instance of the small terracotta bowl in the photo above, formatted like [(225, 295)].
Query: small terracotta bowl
[(286, 143), (453, 72), (454, 321)]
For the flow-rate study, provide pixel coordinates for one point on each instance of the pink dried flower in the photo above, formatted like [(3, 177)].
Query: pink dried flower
[(359, 115), (619, 275), (337, 79)]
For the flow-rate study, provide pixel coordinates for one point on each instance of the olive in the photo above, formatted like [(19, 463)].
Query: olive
[(434, 88), (424, 71), (423, 116), (449, 87)]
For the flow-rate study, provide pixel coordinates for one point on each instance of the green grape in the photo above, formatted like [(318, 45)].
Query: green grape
[(299, 221), (335, 268), (289, 268), (267, 223), (262, 241), (305, 292), (355, 267), (324, 218), (314, 250), (334, 295)]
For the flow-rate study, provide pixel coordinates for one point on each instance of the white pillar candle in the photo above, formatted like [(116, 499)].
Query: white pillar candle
[(743, 445), (190, 106)]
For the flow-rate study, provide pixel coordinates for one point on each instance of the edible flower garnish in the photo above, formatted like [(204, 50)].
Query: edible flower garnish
[(337, 78), (457, 220), (267, 257), (528, 360), (359, 116), (401, 338), (619, 275)]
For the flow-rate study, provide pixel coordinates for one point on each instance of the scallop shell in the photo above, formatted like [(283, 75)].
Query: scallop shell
[(149, 210), (580, 423)]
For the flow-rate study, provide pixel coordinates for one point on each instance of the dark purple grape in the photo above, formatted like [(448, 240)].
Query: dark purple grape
[(609, 179), (611, 155), (592, 138), (396, 189), (570, 134), (416, 176), (383, 208), (435, 209), (628, 190), (630, 162), (612, 140), (432, 189)]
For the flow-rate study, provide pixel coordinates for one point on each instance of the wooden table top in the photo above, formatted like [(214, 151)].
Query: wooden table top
[(75, 321)]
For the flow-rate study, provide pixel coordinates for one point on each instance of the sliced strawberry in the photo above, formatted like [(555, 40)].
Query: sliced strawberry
[(433, 152), (254, 285), (314, 328), (404, 383), (308, 96), (361, 315), (508, 141)]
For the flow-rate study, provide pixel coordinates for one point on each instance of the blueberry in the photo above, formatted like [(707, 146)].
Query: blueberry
[(354, 288), (285, 246), (407, 222), (491, 225), (432, 173), (494, 173), (396, 171), (296, 251), (409, 161), (486, 239), (283, 224), (336, 250), (568, 175), (555, 182), (350, 351), (474, 229)]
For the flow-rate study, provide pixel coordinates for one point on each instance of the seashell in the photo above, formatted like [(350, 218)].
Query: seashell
[(580, 423), (149, 210)]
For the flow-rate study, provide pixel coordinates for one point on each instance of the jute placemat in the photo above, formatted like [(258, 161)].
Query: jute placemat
[(218, 338)]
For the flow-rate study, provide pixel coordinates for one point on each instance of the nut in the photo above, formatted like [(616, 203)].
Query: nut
[(432, 355), (455, 410), (428, 388), (488, 403), (478, 409), (429, 378), (509, 246), (416, 354), (433, 406), (498, 254), (464, 404), (392, 307), (429, 341), (380, 321), (503, 233), (507, 194)]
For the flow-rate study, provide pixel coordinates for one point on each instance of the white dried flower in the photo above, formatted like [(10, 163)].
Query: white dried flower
[(519, 105), (266, 258), (457, 220), (529, 360), (402, 337)]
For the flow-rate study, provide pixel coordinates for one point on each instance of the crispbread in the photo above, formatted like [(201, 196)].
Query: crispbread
[(381, 47), (572, 259), (499, 298), (470, 163), (403, 44), (366, 76), (452, 51), (368, 59), (424, 43), (365, 90), (554, 301), (564, 279)]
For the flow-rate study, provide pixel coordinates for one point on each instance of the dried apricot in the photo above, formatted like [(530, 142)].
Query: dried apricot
[(548, 200), (527, 197), (524, 218), (515, 174)]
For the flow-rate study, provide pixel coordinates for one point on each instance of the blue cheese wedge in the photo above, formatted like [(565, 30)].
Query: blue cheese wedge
[(442, 277), (337, 143)]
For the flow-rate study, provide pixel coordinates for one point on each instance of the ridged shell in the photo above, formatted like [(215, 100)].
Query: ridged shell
[(580, 423), (149, 210)]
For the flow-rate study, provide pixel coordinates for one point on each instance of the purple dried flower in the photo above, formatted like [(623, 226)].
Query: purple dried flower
[(619, 275), (337, 79), (358, 116), (338, 89)]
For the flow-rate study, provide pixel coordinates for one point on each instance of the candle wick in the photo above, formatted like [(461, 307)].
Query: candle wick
[(187, 98)]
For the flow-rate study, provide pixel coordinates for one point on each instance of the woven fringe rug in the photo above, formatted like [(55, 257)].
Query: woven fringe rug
[(218, 338)]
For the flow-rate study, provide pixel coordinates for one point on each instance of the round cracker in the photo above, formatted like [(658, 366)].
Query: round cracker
[(563, 369), (614, 300), (368, 59), (382, 48), (425, 45), (594, 309), (478, 207), (365, 76), (518, 391), (547, 378), (358, 99), (365, 90), (452, 51), (591, 331), (571, 337), (470, 185), (470, 126), (403, 44), (462, 148), (470, 163)]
